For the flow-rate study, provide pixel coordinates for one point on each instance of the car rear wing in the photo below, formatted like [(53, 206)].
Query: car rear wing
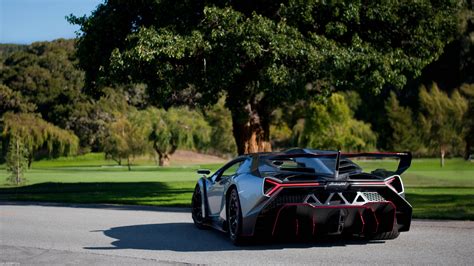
[(404, 157), (403, 165)]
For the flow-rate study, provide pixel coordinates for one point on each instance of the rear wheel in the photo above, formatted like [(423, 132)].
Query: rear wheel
[(234, 218), (197, 211)]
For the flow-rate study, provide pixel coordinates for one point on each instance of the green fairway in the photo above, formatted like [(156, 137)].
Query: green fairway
[(442, 203), (441, 193), (428, 173), (91, 179), (434, 192)]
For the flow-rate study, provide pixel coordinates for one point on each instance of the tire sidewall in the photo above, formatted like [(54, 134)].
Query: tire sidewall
[(237, 238), (198, 223)]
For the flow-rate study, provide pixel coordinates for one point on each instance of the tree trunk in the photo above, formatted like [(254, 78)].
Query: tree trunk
[(118, 161), (164, 159), (156, 158), (467, 149), (128, 164), (442, 156), (30, 160), (251, 131), (18, 170)]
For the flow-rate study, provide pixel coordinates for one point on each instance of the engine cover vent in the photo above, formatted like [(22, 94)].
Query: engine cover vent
[(343, 198)]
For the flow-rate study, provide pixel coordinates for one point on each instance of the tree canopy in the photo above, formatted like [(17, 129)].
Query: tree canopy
[(124, 139), (261, 54), (442, 119), (37, 135), (468, 92), (16, 161), (13, 101), (331, 126), (173, 128), (403, 126), (44, 74)]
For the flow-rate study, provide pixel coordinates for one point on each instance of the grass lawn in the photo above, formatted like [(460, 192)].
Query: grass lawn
[(434, 192), (91, 179)]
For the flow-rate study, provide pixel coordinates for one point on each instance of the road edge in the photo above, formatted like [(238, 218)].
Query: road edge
[(97, 206)]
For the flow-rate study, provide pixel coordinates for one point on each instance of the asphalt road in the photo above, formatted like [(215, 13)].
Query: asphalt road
[(105, 235)]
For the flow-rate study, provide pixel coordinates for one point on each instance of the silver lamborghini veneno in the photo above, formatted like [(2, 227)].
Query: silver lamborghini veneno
[(303, 193)]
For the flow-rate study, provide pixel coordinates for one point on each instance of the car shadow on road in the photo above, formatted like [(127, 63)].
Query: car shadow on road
[(185, 237)]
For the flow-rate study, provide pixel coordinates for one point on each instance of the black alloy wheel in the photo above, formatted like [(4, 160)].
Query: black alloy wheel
[(196, 205), (234, 217)]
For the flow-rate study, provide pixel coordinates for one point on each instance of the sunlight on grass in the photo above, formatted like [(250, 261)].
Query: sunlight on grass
[(434, 192), (442, 203)]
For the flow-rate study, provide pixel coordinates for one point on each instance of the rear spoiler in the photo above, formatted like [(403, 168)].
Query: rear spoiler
[(403, 165)]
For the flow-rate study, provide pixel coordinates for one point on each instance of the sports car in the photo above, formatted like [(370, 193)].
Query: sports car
[(303, 193)]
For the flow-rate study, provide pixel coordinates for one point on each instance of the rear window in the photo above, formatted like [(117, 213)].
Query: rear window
[(303, 164), (326, 165)]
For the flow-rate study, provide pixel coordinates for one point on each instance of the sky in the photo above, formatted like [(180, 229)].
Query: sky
[(27, 21)]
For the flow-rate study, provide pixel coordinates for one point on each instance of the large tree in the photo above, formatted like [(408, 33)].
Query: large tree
[(332, 126), (176, 127), (403, 126), (467, 91), (45, 74), (261, 54), (16, 161), (442, 120), (125, 139), (37, 136), (220, 121), (89, 119)]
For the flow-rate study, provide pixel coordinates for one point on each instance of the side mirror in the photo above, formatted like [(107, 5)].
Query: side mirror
[(203, 171)]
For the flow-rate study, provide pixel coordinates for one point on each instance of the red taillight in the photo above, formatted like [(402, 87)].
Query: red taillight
[(395, 183), (270, 186)]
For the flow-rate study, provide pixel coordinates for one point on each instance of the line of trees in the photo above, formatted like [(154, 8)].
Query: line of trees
[(439, 127), (246, 76)]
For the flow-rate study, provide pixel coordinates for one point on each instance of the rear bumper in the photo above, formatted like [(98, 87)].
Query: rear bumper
[(306, 220), (359, 210)]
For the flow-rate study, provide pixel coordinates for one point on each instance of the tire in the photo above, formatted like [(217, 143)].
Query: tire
[(387, 235), (234, 218), (196, 208)]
